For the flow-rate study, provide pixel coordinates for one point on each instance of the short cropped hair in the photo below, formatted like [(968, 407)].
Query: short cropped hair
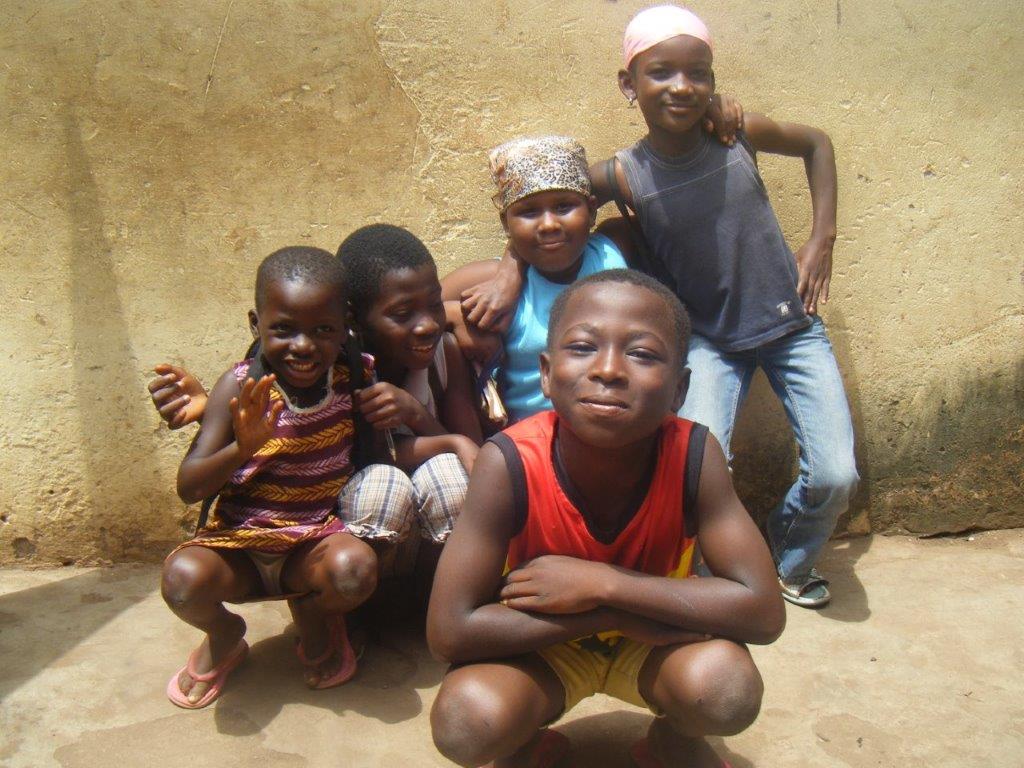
[(680, 319), (369, 253), (302, 263)]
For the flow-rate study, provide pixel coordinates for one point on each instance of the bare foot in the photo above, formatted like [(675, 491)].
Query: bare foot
[(322, 660), (323, 645), (210, 653)]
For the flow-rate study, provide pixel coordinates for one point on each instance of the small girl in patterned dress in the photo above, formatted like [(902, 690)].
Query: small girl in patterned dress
[(276, 444)]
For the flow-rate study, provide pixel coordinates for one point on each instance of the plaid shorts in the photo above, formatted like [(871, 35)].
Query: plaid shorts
[(380, 502)]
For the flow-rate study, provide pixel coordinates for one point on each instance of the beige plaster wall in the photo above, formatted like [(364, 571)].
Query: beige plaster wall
[(155, 152)]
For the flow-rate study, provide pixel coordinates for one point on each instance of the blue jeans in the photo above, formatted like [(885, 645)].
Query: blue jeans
[(802, 370)]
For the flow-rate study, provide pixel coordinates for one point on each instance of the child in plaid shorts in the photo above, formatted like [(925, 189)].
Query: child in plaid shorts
[(421, 399)]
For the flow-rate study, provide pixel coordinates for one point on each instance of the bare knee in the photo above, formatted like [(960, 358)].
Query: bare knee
[(470, 723), (184, 581), (722, 688), (351, 573)]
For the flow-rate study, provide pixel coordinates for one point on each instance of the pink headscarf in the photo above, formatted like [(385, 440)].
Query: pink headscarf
[(655, 25)]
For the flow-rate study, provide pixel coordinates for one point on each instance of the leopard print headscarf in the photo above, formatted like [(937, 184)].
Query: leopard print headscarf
[(528, 165)]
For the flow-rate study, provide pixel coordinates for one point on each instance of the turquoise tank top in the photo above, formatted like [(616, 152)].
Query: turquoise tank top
[(528, 334)]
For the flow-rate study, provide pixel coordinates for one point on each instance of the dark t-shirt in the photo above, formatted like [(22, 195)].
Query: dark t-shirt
[(708, 221)]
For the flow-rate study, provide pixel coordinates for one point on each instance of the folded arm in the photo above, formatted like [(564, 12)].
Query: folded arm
[(740, 600), (465, 621)]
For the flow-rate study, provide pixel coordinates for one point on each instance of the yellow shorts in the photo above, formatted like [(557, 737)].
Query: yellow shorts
[(614, 672)]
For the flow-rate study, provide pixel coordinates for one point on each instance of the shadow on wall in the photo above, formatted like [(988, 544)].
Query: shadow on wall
[(41, 624), (958, 457), (105, 375), (951, 458)]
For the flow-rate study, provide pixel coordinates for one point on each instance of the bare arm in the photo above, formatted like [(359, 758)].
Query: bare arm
[(465, 277), (740, 601), (237, 423), (457, 409), (487, 290), (814, 258), (602, 189)]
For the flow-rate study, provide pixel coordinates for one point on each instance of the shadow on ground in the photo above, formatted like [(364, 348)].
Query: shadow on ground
[(603, 740), (839, 564), (40, 624)]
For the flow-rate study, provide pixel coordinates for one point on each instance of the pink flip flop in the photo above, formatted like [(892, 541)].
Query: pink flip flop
[(216, 677), (337, 643), (641, 755)]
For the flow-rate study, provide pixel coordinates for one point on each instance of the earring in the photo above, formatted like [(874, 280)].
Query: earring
[(631, 100)]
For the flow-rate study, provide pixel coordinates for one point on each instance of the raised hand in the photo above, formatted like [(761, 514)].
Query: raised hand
[(254, 416), (177, 395)]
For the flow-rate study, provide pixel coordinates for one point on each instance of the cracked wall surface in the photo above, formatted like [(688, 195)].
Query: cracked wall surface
[(155, 152)]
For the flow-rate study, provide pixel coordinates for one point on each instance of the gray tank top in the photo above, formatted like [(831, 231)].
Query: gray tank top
[(708, 221)]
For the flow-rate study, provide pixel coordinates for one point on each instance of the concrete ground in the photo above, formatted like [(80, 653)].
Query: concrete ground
[(918, 662)]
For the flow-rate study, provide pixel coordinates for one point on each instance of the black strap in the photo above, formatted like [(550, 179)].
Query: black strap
[(691, 477), (204, 512), (362, 451), (517, 478), (644, 259), (434, 382)]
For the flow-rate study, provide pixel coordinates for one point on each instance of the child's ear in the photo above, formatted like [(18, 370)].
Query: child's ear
[(254, 323), (681, 387), (592, 205), (545, 371), (626, 84), (503, 216)]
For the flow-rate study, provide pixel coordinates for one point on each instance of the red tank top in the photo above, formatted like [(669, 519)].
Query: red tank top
[(655, 541)]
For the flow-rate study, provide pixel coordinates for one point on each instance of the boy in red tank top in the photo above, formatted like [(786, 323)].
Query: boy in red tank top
[(566, 572)]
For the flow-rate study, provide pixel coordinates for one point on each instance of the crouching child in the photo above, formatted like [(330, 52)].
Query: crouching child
[(566, 574)]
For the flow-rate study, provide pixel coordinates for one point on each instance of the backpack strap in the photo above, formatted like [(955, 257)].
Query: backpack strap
[(204, 512), (362, 451), (691, 477), (434, 382)]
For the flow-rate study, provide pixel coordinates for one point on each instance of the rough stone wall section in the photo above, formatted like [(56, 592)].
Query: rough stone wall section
[(157, 151)]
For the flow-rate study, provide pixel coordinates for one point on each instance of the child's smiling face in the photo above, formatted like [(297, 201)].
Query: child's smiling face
[(613, 369), (672, 83), (549, 230), (301, 326), (403, 324)]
